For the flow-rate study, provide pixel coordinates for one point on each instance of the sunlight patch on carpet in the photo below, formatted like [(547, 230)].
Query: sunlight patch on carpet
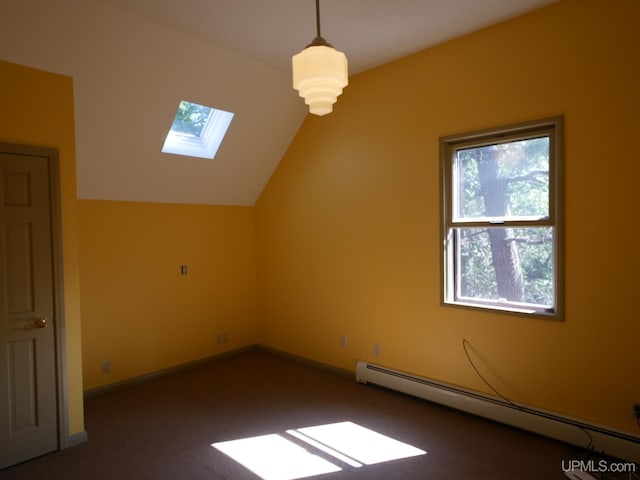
[(360, 443), (275, 457)]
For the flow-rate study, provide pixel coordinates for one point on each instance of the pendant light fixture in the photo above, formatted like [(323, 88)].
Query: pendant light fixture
[(319, 73)]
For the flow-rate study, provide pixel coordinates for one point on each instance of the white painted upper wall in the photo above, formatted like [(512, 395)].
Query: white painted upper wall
[(129, 76), (132, 61)]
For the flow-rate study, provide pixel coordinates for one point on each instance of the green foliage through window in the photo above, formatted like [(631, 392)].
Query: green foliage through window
[(500, 218), (191, 118)]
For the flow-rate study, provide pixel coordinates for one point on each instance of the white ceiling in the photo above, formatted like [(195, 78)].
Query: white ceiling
[(133, 60), (371, 32)]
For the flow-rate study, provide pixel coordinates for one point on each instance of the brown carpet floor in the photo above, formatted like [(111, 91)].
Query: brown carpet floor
[(164, 428)]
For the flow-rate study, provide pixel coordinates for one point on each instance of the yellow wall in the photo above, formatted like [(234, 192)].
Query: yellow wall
[(347, 231), (36, 108), (138, 311), (348, 227)]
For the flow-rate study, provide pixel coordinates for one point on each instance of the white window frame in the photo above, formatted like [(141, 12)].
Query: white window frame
[(205, 146), (449, 145)]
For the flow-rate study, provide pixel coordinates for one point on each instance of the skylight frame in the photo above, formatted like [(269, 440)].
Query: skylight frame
[(207, 144)]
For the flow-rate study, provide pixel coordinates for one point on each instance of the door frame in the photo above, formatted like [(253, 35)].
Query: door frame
[(51, 156)]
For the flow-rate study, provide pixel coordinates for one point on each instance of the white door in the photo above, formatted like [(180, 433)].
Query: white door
[(28, 408)]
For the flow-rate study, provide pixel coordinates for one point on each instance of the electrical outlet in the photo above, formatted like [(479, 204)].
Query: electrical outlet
[(343, 341), (376, 349), (222, 337), (106, 366)]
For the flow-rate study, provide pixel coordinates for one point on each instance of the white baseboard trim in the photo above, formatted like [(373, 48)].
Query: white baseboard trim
[(74, 440)]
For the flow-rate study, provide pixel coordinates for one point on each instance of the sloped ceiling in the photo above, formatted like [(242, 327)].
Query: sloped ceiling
[(132, 61)]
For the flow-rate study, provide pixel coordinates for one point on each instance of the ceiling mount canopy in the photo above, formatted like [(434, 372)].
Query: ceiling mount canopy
[(320, 72)]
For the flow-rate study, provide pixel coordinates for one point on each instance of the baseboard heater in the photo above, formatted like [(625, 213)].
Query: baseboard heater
[(601, 439)]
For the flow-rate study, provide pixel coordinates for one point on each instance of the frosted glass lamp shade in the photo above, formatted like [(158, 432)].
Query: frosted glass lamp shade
[(320, 72)]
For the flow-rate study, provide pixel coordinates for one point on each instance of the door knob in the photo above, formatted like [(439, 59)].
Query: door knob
[(38, 323)]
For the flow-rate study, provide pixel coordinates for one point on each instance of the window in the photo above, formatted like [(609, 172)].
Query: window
[(197, 130), (502, 218)]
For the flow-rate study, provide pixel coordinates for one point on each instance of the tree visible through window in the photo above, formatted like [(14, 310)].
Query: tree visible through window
[(197, 130), (191, 118), (501, 218)]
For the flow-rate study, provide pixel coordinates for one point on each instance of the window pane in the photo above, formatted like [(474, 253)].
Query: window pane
[(505, 181), (505, 264), (191, 118), (197, 130)]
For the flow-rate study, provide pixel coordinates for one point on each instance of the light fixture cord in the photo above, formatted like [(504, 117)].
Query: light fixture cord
[(318, 17), (318, 41)]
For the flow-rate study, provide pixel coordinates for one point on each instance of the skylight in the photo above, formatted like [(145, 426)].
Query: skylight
[(197, 130)]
